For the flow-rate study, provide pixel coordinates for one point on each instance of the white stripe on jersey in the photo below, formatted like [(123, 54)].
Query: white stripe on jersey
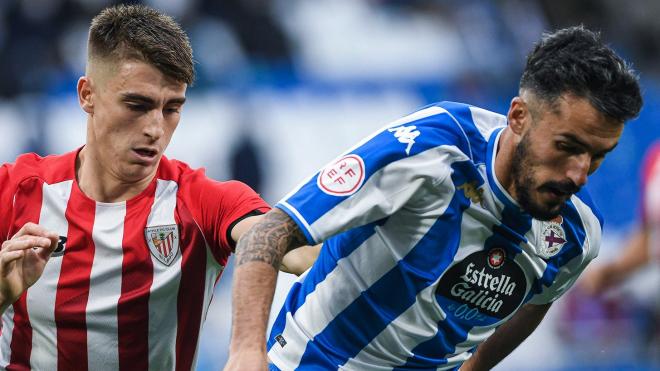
[(42, 294), (7, 331), (105, 287), (400, 180), (163, 310), (487, 121), (370, 260), (418, 115)]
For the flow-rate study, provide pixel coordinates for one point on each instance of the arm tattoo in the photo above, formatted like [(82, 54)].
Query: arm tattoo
[(270, 239)]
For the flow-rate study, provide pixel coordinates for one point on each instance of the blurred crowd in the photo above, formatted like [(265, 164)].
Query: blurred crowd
[(238, 42)]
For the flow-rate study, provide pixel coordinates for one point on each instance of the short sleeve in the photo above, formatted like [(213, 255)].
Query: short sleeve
[(378, 176), (650, 200), (218, 206), (6, 201)]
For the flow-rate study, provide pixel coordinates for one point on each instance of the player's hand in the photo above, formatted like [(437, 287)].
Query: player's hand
[(22, 260), (247, 361)]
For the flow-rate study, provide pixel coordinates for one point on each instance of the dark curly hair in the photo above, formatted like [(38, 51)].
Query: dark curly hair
[(574, 60)]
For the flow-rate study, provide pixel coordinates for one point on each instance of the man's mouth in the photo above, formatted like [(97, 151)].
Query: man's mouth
[(145, 154)]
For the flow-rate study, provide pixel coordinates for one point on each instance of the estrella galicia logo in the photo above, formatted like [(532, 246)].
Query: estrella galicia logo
[(481, 289), (61, 246)]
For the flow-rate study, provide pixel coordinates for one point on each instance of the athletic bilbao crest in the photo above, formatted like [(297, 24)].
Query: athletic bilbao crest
[(163, 241)]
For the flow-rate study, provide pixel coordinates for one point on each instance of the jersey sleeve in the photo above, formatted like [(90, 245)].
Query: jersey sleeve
[(378, 176), (6, 201), (220, 206), (650, 197)]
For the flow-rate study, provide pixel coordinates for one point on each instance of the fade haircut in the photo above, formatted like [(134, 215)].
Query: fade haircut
[(136, 32), (574, 60)]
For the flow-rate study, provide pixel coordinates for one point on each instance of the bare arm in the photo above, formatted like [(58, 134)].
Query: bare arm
[(299, 260), (635, 254), (258, 256), (506, 338), (296, 261)]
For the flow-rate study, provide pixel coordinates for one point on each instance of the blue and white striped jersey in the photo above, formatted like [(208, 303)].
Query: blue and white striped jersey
[(425, 253)]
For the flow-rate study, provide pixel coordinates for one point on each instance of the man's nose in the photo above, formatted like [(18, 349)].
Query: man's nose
[(578, 170)]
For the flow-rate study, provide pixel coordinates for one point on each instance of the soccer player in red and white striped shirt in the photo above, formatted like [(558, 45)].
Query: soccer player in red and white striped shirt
[(112, 251)]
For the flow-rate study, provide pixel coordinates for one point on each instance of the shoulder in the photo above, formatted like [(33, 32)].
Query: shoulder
[(194, 184), (586, 220), (50, 169)]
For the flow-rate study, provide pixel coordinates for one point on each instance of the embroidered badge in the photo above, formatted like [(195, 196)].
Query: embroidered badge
[(163, 241)]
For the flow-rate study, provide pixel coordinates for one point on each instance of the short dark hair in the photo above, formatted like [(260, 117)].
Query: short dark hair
[(142, 33), (574, 60)]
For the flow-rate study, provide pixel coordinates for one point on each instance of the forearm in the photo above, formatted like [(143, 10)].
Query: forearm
[(258, 256), (635, 255), (506, 338)]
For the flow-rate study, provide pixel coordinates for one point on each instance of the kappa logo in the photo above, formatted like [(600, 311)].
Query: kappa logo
[(61, 246), (163, 242), (405, 135), (343, 177), (472, 191)]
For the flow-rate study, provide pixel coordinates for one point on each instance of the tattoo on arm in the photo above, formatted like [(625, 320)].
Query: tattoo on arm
[(270, 239)]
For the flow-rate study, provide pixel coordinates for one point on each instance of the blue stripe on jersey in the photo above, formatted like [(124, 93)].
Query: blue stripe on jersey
[(382, 149), (332, 251), (443, 343), (463, 115), (395, 292)]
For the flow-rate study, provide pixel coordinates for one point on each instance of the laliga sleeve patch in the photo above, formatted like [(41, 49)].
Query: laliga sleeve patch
[(343, 177)]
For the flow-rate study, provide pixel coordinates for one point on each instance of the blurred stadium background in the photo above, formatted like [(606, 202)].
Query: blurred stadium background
[(285, 85)]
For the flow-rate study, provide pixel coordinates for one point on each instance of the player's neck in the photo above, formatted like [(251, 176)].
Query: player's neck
[(99, 183)]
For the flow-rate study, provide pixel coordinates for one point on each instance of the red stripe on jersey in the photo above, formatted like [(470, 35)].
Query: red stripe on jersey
[(191, 290), (73, 284), (27, 208), (137, 277)]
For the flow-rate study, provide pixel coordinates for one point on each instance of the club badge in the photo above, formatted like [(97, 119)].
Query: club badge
[(163, 242), (553, 238)]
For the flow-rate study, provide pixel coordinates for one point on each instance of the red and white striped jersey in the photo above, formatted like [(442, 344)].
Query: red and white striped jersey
[(130, 284), (651, 197)]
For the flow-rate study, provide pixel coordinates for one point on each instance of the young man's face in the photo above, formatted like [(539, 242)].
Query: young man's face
[(136, 109), (562, 146)]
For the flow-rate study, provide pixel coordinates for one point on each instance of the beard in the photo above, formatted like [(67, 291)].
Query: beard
[(522, 172)]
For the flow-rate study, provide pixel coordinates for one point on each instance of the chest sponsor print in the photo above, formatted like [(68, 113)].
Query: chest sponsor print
[(484, 288)]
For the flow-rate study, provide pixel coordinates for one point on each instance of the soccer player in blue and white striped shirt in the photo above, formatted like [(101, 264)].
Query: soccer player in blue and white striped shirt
[(447, 234)]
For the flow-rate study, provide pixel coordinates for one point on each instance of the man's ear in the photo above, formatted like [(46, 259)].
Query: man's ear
[(519, 116), (85, 94)]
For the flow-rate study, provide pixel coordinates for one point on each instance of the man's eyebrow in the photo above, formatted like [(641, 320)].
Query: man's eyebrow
[(137, 98), (576, 140)]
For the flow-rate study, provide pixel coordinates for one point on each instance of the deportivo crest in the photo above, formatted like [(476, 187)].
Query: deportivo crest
[(163, 241), (553, 238), (343, 177)]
